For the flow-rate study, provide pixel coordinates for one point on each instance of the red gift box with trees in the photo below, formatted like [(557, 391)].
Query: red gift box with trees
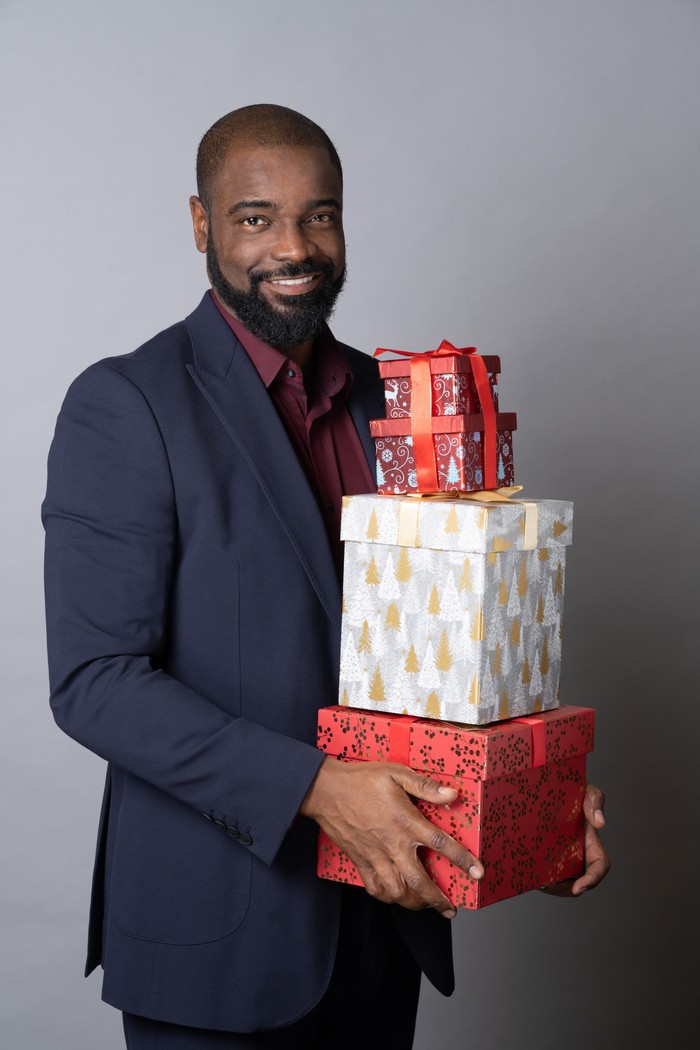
[(443, 432)]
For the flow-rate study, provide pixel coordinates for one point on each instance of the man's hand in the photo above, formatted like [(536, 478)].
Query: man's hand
[(597, 860), (366, 810)]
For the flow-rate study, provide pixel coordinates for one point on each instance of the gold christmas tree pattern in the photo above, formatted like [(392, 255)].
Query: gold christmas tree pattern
[(456, 634)]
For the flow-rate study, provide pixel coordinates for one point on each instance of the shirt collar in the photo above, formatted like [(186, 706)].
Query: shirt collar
[(332, 370)]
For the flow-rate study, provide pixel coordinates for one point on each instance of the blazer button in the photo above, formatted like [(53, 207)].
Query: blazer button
[(233, 832), (219, 824), (208, 816), (245, 839)]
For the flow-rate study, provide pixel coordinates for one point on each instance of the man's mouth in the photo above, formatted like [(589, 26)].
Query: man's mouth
[(287, 286), (292, 282)]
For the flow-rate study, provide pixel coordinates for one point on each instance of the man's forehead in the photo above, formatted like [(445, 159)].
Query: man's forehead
[(252, 171)]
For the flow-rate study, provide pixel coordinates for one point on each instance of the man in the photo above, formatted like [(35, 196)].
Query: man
[(193, 606)]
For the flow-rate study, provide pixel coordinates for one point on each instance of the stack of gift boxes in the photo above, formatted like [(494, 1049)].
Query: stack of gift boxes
[(451, 634)]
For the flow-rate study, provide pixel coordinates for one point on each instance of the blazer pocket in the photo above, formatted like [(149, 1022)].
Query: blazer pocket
[(176, 877)]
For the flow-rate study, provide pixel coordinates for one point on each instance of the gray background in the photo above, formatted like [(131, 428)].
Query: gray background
[(522, 176)]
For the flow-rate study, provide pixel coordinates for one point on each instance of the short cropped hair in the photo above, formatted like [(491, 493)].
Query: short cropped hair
[(263, 125)]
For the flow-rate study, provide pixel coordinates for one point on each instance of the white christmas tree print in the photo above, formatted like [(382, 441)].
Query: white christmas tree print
[(518, 702), (451, 603), (379, 638), (452, 472), (429, 676), (403, 688), (402, 635), (550, 606), (350, 665), (505, 659), (536, 679), (488, 695), (513, 607), (468, 651), (365, 606), (555, 643), (495, 631), (520, 653), (495, 567), (412, 601), (534, 568), (389, 588)]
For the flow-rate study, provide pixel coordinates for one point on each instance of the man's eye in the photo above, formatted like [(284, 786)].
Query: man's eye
[(253, 220), (322, 216)]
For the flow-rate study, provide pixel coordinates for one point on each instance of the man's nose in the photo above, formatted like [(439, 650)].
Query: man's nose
[(293, 243)]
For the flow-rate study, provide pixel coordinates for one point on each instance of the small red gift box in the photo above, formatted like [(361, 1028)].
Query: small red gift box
[(425, 441), (453, 385), (520, 804), (458, 446)]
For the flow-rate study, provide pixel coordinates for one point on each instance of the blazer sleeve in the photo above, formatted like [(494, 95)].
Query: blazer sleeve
[(111, 547)]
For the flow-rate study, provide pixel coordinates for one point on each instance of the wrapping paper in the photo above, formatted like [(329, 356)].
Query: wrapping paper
[(458, 450), (427, 472), (453, 386), (452, 609), (519, 809)]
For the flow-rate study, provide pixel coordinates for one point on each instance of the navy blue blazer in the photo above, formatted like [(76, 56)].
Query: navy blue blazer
[(193, 612)]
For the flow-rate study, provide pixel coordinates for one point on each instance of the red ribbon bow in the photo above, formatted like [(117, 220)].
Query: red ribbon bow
[(422, 412)]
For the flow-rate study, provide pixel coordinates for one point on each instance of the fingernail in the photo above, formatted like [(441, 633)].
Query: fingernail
[(599, 815), (445, 791), (476, 872), (449, 914)]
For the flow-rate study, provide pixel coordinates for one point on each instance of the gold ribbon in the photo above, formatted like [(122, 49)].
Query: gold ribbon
[(409, 508)]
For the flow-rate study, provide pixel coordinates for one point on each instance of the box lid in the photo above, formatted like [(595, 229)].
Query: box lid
[(457, 524), (398, 426), (471, 752), (445, 364)]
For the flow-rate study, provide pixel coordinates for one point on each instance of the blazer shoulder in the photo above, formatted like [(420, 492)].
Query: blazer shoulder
[(150, 364)]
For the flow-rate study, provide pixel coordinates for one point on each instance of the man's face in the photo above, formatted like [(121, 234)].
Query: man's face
[(274, 241)]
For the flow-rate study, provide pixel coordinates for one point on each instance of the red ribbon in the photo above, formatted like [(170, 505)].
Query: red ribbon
[(422, 412), (538, 739), (400, 739)]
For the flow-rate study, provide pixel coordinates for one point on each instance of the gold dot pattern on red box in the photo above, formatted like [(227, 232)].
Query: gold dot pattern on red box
[(525, 824)]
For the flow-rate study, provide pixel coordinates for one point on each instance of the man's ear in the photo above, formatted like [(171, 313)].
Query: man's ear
[(200, 223)]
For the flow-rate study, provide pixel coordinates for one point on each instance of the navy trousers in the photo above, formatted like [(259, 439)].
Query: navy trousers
[(371, 1001)]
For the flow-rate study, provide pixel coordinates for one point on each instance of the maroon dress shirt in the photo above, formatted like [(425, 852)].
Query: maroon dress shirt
[(317, 420)]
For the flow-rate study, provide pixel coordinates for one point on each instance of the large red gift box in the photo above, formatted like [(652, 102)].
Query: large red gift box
[(453, 386), (520, 804), (458, 448)]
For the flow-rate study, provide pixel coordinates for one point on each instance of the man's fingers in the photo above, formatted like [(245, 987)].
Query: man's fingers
[(442, 843), (369, 812), (594, 806), (412, 889), (597, 867), (422, 787)]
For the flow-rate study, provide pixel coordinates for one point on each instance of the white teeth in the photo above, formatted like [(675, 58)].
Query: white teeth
[(296, 280)]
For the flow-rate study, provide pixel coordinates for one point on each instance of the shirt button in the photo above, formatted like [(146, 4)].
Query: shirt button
[(331, 507), (291, 373)]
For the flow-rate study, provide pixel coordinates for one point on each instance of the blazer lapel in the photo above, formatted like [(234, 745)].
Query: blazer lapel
[(228, 380), (366, 403)]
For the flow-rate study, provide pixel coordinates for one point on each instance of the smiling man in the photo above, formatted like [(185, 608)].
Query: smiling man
[(193, 568)]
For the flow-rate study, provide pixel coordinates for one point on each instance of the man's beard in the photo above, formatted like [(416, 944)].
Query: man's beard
[(296, 319)]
